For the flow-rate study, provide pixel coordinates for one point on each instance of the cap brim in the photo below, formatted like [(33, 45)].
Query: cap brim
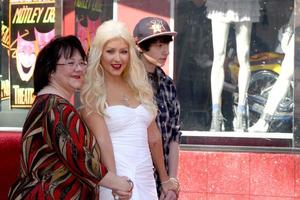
[(171, 33)]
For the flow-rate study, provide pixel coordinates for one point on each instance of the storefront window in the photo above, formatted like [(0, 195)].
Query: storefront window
[(218, 35), (251, 43)]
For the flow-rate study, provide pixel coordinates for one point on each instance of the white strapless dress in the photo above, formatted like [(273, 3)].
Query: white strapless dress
[(128, 130)]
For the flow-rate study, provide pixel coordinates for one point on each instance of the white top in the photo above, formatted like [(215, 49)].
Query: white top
[(128, 130)]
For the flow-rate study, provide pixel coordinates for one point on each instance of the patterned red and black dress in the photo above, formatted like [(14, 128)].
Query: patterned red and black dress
[(60, 158)]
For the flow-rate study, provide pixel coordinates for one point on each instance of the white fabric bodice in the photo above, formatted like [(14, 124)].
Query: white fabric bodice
[(128, 130)]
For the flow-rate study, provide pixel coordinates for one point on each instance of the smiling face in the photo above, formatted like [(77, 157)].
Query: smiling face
[(25, 57), (115, 57), (69, 74)]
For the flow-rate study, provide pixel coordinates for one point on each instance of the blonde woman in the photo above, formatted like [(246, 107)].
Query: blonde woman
[(118, 108)]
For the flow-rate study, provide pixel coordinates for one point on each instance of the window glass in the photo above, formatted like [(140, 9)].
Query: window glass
[(270, 27)]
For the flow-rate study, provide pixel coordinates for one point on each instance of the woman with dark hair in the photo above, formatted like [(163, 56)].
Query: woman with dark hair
[(60, 158)]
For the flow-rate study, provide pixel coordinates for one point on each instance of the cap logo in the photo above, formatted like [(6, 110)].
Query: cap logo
[(157, 26)]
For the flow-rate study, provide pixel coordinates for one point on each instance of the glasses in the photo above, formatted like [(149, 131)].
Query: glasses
[(73, 65)]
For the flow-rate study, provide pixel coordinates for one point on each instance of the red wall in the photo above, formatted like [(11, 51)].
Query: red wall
[(202, 175), (10, 162), (239, 176)]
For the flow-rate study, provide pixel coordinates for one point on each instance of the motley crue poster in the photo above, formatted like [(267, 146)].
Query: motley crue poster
[(89, 15), (31, 25), (4, 76)]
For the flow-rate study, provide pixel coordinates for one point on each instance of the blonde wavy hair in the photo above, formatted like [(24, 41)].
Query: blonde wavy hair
[(93, 93)]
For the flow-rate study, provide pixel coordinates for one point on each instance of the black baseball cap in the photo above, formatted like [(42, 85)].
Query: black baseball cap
[(150, 27)]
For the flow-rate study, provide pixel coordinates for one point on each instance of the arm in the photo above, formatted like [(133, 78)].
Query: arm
[(98, 127), (73, 143), (78, 150), (155, 144), (174, 141), (117, 184), (173, 159), (175, 134), (173, 167)]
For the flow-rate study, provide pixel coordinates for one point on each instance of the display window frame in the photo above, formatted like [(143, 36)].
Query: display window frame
[(189, 13)]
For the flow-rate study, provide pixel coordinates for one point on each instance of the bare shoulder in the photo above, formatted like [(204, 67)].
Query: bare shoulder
[(91, 117), (83, 112)]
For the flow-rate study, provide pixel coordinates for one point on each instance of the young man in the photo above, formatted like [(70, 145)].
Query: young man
[(153, 36)]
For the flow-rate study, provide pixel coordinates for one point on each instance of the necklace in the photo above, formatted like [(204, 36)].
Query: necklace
[(125, 100)]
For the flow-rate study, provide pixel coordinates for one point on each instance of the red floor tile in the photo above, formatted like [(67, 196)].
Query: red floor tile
[(272, 175), (228, 173), (193, 171)]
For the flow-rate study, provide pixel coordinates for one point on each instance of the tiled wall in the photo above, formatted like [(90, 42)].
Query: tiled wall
[(239, 176), (203, 175)]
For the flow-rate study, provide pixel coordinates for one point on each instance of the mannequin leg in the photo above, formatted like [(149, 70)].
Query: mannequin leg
[(279, 89), (283, 82), (243, 34), (220, 35)]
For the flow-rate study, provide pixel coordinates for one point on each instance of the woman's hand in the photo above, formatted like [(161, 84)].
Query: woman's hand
[(121, 186), (171, 185), (124, 189), (170, 195)]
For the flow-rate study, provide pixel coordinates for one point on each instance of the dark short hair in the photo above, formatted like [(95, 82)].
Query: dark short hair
[(145, 45), (48, 57)]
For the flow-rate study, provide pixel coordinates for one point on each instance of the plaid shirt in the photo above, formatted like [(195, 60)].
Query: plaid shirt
[(168, 111)]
